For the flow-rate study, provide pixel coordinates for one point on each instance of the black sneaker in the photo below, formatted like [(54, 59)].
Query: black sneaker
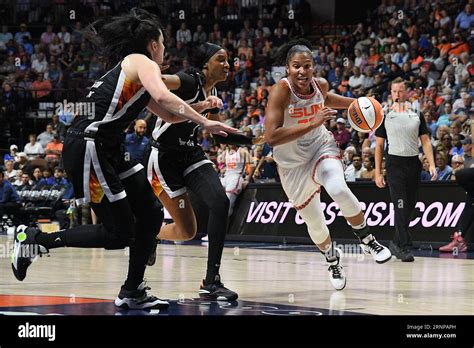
[(216, 291), (152, 259), (25, 250), (402, 254), (139, 299)]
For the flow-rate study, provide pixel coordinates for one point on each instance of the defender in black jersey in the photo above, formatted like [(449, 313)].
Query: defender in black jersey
[(95, 161), (175, 162)]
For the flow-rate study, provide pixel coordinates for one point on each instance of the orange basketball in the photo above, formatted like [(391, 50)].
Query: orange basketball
[(365, 114)]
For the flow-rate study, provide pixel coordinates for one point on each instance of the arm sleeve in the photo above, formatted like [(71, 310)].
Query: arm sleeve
[(423, 129), (233, 139), (381, 131)]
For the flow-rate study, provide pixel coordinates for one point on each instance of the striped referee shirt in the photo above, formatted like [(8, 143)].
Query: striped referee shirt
[(402, 131)]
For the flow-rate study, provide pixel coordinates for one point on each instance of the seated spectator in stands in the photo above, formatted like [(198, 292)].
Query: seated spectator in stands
[(47, 173), (255, 124), (22, 180), (39, 64), (354, 170), (48, 36), (41, 88), (79, 67), (457, 163), (266, 168), (47, 136), (467, 147), (33, 149), (183, 34), (5, 36), (136, 142), (205, 142), (54, 150), (37, 177), (444, 119), (8, 102), (8, 66), (199, 36), (9, 199), (12, 155), (58, 178), (465, 19), (22, 33), (430, 124), (58, 127), (368, 172), (425, 172), (457, 148), (64, 35), (446, 143), (55, 75), (357, 80), (180, 52), (56, 48), (95, 68), (443, 169), (10, 172), (461, 111), (342, 134)]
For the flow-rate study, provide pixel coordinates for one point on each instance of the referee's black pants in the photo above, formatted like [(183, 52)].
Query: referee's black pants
[(403, 179)]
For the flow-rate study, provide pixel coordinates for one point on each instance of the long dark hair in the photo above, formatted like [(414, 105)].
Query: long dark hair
[(290, 48), (125, 34)]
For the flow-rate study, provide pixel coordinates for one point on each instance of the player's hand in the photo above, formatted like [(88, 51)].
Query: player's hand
[(433, 173), (212, 102), (219, 128), (322, 116), (379, 180)]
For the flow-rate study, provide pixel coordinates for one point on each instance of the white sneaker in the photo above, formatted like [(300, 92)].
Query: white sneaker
[(337, 276), (205, 238), (380, 253)]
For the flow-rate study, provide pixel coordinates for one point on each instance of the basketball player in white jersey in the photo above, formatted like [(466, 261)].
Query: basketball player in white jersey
[(307, 155), (236, 160)]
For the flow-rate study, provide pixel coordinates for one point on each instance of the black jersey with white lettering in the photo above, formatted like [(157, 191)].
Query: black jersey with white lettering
[(116, 101), (183, 134)]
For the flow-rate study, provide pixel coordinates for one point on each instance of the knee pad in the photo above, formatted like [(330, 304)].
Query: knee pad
[(315, 221)]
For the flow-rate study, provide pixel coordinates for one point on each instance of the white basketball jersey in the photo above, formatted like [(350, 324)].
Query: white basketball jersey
[(302, 109), (234, 163)]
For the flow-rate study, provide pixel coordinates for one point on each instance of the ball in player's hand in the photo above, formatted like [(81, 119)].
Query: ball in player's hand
[(365, 114)]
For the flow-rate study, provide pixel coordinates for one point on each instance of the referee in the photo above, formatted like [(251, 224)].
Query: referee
[(401, 128)]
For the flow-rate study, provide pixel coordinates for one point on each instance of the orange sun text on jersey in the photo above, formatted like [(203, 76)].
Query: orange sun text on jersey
[(305, 114)]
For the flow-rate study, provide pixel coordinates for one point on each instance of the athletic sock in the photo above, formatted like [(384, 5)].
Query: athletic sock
[(211, 274), (362, 232), (331, 254)]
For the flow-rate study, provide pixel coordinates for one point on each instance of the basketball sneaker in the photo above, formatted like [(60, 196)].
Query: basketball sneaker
[(457, 242), (139, 299), (25, 250), (205, 238), (337, 276), (370, 246), (216, 291)]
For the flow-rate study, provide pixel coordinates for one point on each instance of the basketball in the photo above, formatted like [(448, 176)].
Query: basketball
[(365, 114)]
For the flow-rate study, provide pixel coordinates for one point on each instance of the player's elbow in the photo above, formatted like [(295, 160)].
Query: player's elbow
[(270, 139)]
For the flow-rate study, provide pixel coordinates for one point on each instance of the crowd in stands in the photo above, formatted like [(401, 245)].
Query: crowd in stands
[(429, 44)]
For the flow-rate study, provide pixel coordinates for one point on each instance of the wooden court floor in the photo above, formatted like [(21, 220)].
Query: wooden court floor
[(267, 278)]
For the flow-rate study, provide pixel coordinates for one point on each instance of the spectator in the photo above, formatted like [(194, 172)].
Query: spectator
[(13, 153), (9, 199), (47, 136), (33, 149), (342, 134), (58, 127), (39, 65), (48, 36), (37, 178), (444, 171), (357, 79), (465, 19), (457, 163), (183, 34), (41, 88), (55, 75), (467, 147), (54, 150), (200, 36), (136, 141), (368, 172), (64, 35), (10, 172), (354, 170), (19, 36)]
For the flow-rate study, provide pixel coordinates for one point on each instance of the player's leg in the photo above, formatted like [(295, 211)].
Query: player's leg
[(184, 222), (329, 173), (205, 183), (313, 216)]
